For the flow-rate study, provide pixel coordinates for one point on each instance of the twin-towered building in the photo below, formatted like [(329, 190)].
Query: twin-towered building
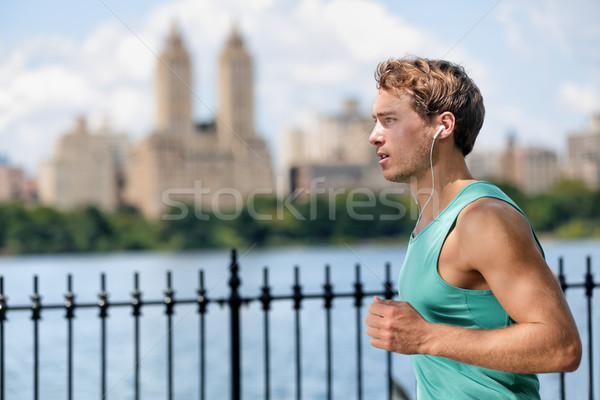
[(181, 161), (206, 164)]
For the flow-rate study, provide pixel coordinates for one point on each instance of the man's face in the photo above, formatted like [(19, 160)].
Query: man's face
[(400, 136)]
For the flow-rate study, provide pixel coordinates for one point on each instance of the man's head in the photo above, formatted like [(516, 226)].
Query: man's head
[(437, 86)]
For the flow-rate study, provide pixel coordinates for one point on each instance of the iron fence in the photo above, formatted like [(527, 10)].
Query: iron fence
[(234, 302)]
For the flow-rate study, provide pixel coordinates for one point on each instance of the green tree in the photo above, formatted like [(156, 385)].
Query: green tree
[(91, 230), (189, 231), (131, 231), (574, 200), (41, 230)]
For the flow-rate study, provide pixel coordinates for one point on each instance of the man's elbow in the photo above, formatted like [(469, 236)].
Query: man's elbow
[(570, 355)]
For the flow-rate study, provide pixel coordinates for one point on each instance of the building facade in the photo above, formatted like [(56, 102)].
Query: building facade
[(15, 185), (84, 170), (333, 152), (532, 169), (584, 154)]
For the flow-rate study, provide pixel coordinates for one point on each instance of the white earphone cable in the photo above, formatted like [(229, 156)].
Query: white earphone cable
[(432, 185)]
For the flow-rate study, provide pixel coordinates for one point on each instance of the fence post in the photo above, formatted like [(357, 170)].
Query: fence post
[(358, 300), (70, 314), (234, 305), (202, 302), (136, 303), (563, 286), (298, 297), (36, 308), (169, 303), (266, 298), (2, 319), (103, 314), (389, 293), (328, 297), (589, 291)]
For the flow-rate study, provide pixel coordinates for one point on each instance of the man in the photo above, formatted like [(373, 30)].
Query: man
[(480, 310)]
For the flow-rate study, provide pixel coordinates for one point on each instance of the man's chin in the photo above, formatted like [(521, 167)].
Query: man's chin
[(394, 178), (397, 177)]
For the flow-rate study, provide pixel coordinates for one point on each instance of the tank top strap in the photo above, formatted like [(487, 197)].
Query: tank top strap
[(472, 192)]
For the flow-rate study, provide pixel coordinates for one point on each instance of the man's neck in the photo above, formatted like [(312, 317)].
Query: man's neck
[(449, 180)]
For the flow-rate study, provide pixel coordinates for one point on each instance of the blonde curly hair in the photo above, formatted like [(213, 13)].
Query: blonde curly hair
[(437, 86)]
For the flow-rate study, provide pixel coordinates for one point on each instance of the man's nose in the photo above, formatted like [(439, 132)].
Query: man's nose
[(376, 138)]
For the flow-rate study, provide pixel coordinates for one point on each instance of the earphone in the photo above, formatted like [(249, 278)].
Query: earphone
[(442, 127), (440, 130)]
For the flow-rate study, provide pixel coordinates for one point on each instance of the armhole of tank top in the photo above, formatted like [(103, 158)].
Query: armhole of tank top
[(439, 277), (437, 263), (504, 197), (506, 200)]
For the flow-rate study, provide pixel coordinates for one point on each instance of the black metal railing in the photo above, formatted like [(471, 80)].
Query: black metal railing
[(235, 302), (589, 285)]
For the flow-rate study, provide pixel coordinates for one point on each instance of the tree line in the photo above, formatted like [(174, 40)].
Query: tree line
[(569, 210)]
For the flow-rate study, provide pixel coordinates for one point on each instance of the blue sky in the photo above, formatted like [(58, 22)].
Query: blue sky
[(536, 63)]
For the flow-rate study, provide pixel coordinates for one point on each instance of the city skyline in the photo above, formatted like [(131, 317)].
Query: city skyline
[(535, 64), (180, 158)]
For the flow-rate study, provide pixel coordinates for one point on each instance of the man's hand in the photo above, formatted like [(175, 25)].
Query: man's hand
[(396, 326)]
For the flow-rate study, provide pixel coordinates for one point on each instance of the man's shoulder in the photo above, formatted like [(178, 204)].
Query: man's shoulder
[(491, 232), (491, 218)]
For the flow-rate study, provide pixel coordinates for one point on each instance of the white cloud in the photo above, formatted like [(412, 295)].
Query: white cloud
[(580, 99), (34, 92), (534, 28), (369, 32), (130, 107), (98, 59), (564, 29), (49, 80)]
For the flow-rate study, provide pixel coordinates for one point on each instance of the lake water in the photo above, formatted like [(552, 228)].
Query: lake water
[(119, 268)]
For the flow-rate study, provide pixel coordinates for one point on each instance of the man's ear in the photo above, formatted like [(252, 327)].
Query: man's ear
[(447, 119)]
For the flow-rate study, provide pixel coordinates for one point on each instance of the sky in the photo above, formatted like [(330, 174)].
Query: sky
[(537, 64)]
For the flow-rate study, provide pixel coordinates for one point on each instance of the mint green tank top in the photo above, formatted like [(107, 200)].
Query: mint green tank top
[(439, 302)]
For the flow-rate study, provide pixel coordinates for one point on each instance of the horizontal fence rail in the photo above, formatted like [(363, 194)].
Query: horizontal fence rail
[(235, 302)]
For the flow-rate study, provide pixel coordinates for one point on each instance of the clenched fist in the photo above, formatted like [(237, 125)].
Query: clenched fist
[(396, 326)]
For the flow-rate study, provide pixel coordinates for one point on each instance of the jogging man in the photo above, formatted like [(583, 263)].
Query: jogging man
[(480, 311)]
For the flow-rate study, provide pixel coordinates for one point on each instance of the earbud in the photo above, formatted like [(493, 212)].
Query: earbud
[(442, 127)]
